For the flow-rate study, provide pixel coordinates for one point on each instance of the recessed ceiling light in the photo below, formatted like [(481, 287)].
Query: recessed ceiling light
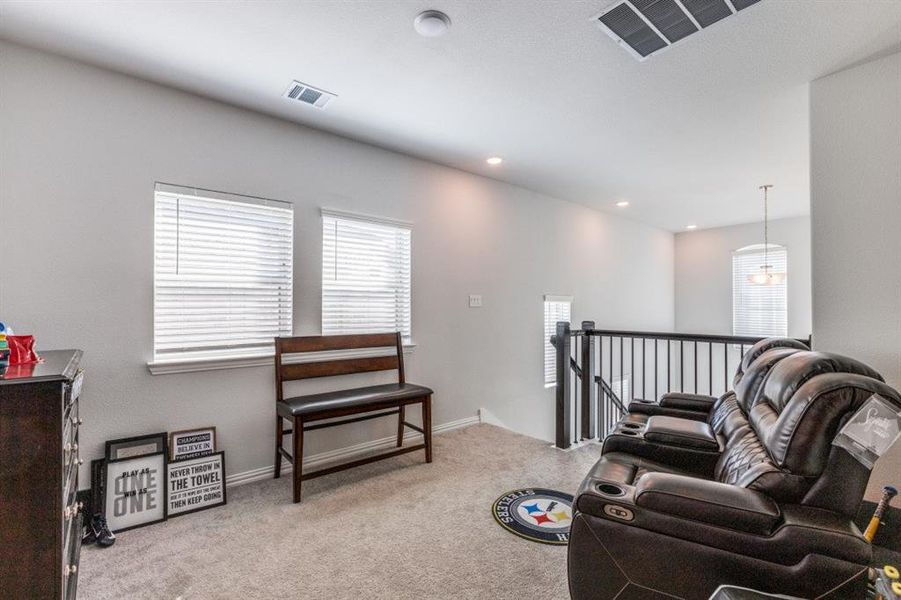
[(622, 203), (691, 227), (494, 160), (431, 23)]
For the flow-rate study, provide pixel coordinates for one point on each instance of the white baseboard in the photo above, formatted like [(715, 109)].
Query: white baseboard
[(488, 417), (342, 454)]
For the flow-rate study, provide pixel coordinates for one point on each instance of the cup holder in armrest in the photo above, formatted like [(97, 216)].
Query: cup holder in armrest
[(632, 425), (627, 432), (610, 489)]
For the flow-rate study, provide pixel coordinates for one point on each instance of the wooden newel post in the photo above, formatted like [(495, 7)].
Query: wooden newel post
[(562, 343), (587, 388)]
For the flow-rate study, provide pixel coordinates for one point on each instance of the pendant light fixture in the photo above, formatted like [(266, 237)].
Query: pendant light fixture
[(766, 276)]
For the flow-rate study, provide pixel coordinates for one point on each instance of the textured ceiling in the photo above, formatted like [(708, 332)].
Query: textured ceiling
[(686, 136)]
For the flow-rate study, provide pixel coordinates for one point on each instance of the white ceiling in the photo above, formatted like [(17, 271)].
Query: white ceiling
[(686, 136)]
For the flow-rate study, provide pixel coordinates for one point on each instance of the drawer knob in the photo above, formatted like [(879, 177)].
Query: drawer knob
[(71, 570), (79, 462), (76, 420)]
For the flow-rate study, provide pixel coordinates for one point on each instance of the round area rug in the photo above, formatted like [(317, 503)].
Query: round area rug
[(536, 514)]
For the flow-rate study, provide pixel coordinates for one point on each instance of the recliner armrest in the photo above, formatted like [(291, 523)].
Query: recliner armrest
[(696, 402), (709, 502)]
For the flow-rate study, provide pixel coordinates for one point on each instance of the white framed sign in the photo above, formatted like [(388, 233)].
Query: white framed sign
[(192, 443), (196, 484), (135, 491)]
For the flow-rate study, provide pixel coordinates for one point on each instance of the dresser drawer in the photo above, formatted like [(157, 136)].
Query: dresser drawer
[(72, 390), (71, 556)]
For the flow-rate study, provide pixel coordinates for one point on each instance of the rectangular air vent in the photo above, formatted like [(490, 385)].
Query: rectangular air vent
[(306, 94), (646, 26)]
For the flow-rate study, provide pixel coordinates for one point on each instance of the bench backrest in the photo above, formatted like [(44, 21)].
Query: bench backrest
[(329, 367)]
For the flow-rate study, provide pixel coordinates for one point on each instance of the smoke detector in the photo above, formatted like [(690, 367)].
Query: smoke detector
[(309, 95), (431, 23)]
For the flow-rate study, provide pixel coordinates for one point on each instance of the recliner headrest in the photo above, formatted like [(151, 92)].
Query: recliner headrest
[(749, 386), (793, 372), (759, 348)]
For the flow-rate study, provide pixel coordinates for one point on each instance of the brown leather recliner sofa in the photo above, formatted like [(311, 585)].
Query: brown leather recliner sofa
[(750, 493)]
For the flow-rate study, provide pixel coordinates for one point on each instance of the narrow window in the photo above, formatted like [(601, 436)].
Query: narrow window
[(366, 281), (759, 309), (556, 308)]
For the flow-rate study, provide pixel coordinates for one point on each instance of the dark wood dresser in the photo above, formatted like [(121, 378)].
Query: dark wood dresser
[(40, 518)]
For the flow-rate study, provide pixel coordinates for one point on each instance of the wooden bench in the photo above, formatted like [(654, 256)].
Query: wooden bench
[(381, 400)]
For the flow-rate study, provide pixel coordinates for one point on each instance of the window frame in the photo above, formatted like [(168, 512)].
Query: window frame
[(258, 355), (408, 341)]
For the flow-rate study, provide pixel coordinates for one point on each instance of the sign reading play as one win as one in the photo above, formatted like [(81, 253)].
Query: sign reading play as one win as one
[(135, 492), (196, 483)]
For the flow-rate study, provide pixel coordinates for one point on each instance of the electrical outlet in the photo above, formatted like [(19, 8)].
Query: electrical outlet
[(475, 301)]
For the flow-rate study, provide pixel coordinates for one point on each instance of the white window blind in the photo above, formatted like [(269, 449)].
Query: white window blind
[(759, 310), (556, 308), (366, 281), (222, 274)]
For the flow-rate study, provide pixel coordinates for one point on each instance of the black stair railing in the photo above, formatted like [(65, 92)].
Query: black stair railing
[(599, 372)]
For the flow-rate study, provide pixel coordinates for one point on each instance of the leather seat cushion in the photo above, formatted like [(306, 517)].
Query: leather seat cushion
[(673, 431), (353, 398), (625, 469)]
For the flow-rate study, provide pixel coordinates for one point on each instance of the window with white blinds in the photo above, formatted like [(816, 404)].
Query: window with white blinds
[(366, 281), (759, 310), (222, 274), (556, 308)]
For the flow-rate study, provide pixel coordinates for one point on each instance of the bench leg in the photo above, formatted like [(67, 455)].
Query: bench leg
[(400, 427), (279, 437), (427, 426), (297, 473)]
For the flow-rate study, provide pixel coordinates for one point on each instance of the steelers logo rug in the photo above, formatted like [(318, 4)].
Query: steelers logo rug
[(535, 514)]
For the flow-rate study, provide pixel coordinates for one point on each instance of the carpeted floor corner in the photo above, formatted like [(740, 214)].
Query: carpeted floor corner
[(397, 529)]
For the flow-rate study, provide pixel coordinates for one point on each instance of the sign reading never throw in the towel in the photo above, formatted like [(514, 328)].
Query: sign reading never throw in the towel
[(536, 514), (196, 483)]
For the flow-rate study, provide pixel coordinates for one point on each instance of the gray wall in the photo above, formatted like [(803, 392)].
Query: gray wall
[(80, 150), (856, 222), (703, 274)]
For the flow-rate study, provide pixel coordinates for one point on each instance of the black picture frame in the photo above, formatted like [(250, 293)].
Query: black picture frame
[(119, 449), (162, 484), (185, 463), (174, 439)]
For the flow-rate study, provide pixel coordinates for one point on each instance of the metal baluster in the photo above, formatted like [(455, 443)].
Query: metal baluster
[(644, 393), (694, 353), (631, 370), (710, 368), (725, 367), (621, 366), (602, 432), (681, 366), (669, 344), (655, 369)]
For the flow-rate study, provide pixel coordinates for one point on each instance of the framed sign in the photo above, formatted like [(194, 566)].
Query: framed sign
[(136, 446), (196, 484), (135, 491), (192, 443)]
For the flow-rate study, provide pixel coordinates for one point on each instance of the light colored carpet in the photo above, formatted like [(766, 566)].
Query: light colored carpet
[(396, 529)]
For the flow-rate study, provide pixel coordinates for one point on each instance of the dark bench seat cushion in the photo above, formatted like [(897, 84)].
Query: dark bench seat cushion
[(353, 398)]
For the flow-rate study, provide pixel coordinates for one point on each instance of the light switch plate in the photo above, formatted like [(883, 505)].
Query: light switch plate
[(475, 301)]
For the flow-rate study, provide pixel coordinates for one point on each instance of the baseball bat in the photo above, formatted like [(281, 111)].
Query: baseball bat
[(888, 492)]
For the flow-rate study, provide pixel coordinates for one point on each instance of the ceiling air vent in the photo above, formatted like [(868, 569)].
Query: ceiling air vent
[(646, 26), (306, 94)]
